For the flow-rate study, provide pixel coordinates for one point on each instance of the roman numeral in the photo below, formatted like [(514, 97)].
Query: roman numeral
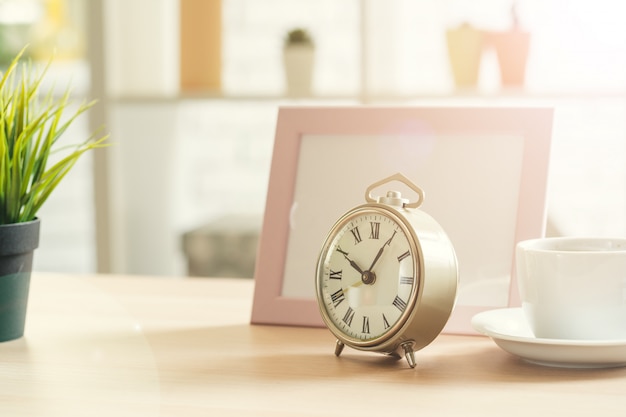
[(386, 324), (337, 297), (403, 256), (366, 324), (335, 274), (357, 235), (347, 318), (406, 280), (399, 303), (374, 230)]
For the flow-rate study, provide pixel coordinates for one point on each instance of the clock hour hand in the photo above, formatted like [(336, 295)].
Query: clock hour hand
[(352, 263), (381, 250)]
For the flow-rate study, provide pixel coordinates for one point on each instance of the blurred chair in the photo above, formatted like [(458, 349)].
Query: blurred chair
[(225, 247)]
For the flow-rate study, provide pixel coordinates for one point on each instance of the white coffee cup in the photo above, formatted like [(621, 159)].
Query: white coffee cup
[(573, 287)]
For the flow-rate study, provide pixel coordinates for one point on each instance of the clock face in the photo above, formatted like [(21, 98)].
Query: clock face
[(367, 275)]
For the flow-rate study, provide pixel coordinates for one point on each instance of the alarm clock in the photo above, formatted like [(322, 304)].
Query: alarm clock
[(387, 275)]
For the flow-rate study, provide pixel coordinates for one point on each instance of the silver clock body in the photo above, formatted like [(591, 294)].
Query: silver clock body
[(426, 261)]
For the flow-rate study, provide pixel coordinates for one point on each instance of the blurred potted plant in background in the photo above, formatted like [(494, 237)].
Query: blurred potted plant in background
[(299, 58), (32, 164), (512, 47), (465, 47)]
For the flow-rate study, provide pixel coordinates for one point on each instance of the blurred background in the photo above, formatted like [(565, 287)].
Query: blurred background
[(189, 91)]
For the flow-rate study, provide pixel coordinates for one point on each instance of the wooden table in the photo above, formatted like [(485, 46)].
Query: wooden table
[(139, 346)]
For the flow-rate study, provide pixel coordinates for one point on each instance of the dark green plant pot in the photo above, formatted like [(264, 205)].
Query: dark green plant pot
[(17, 243)]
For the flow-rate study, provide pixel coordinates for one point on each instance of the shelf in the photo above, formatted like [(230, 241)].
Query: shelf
[(516, 94)]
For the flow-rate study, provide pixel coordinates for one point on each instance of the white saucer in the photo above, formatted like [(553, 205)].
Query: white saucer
[(509, 329)]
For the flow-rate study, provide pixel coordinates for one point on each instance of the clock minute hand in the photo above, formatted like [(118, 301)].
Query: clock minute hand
[(381, 250)]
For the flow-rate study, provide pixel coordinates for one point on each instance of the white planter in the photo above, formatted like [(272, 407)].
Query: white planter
[(299, 61)]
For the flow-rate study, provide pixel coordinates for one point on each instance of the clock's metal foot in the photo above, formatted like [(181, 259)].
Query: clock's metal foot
[(408, 353), (339, 348)]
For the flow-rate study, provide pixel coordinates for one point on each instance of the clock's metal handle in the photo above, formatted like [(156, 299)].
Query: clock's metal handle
[(400, 178)]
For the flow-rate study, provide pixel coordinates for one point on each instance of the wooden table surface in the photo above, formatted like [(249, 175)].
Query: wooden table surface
[(140, 346)]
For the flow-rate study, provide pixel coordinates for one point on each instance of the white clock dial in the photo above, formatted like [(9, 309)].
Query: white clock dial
[(368, 275)]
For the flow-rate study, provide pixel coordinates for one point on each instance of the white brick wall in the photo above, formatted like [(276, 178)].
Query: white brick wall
[(223, 152)]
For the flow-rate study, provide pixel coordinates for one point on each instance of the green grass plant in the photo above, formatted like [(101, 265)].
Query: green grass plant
[(31, 125)]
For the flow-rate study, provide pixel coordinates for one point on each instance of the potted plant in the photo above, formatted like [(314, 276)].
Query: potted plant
[(298, 58), (512, 47), (32, 164), (465, 48)]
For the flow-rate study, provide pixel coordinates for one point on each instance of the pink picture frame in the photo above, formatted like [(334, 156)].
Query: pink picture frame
[(485, 170)]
